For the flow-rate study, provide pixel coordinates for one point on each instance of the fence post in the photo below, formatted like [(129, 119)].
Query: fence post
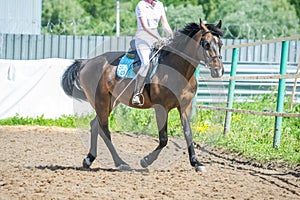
[(295, 85), (231, 88), (280, 96)]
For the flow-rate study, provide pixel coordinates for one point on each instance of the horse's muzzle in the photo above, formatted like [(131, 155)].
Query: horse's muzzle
[(217, 72), (216, 67)]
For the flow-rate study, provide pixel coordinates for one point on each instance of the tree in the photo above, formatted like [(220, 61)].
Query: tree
[(80, 17), (257, 19), (296, 4), (99, 9), (209, 6), (179, 16), (56, 15), (241, 19), (183, 3)]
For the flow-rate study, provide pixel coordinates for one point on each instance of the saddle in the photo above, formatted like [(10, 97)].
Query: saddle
[(130, 63), (133, 54)]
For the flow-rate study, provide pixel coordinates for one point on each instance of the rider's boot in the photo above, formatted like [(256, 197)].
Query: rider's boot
[(138, 91)]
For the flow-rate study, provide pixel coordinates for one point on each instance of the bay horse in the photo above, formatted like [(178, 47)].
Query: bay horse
[(172, 86)]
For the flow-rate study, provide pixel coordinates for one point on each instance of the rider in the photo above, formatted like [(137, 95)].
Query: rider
[(148, 13)]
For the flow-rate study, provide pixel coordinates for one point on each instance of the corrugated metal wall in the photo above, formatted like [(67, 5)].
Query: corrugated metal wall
[(27, 47), (20, 16)]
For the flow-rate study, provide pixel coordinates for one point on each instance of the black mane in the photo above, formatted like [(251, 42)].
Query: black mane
[(215, 30), (192, 28), (184, 34)]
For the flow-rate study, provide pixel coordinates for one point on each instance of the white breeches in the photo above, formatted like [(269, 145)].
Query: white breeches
[(143, 42)]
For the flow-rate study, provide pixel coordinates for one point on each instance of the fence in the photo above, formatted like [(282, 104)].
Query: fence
[(32, 47), (281, 90), (80, 26), (213, 90)]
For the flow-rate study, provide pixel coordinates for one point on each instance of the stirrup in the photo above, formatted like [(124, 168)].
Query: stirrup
[(136, 99)]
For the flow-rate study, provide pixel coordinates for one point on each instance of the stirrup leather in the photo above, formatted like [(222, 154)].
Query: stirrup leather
[(138, 98)]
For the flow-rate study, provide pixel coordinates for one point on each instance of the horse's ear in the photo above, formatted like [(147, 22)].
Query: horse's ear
[(219, 25), (200, 21), (202, 25)]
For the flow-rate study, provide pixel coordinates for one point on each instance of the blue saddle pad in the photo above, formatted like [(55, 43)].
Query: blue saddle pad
[(125, 68)]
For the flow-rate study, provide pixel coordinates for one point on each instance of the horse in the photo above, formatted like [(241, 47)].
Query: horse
[(172, 86)]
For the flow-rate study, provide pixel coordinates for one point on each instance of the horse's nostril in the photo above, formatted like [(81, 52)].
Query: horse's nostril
[(217, 72)]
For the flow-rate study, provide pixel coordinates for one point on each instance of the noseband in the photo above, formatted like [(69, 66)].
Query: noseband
[(206, 47)]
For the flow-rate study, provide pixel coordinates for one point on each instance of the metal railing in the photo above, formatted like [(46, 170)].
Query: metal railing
[(281, 88)]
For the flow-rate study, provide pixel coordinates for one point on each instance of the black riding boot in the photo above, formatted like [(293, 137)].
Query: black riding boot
[(138, 98)]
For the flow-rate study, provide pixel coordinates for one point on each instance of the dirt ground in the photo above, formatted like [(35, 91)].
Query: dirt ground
[(45, 163)]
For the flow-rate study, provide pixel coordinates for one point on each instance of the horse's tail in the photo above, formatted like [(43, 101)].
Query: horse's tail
[(70, 81)]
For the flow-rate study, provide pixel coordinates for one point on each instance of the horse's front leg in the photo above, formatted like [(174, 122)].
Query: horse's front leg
[(87, 162), (185, 121), (162, 125)]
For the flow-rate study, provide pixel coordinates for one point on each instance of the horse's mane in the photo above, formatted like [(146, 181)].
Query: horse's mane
[(215, 30), (182, 35), (192, 28)]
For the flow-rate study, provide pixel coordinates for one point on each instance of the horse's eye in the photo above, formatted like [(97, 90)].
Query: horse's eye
[(220, 43), (206, 45)]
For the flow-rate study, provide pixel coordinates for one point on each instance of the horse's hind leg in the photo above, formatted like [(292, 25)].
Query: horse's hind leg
[(105, 134), (103, 109), (162, 125)]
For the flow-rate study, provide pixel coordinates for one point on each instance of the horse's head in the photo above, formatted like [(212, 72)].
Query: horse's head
[(199, 43), (210, 43)]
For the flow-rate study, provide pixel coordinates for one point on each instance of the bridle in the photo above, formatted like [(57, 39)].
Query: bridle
[(206, 56), (206, 46)]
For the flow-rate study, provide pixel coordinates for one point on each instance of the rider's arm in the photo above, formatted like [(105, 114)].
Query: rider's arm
[(165, 25)]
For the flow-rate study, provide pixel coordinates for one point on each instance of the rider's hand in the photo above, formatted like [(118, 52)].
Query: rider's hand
[(162, 42)]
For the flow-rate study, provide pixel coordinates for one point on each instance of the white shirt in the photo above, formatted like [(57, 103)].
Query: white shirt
[(152, 14)]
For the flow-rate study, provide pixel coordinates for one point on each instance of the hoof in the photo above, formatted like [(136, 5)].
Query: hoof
[(200, 168), (144, 163), (124, 167), (86, 163)]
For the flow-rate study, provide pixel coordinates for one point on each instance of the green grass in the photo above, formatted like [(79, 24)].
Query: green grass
[(251, 135), (67, 121)]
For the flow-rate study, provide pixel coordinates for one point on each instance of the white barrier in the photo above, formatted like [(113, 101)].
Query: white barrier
[(32, 88)]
